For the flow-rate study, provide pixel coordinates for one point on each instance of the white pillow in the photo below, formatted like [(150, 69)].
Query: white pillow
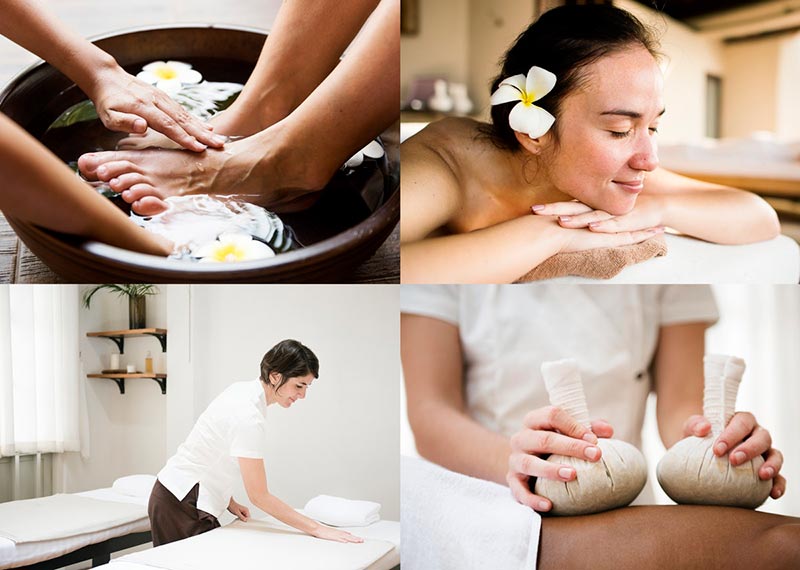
[(336, 511), (135, 485)]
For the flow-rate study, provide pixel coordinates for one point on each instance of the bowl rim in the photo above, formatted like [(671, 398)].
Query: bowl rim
[(352, 239)]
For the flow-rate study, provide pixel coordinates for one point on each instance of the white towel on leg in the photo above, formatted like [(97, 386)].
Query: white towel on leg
[(451, 521)]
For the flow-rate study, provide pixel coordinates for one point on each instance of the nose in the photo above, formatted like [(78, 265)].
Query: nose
[(302, 394), (645, 157)]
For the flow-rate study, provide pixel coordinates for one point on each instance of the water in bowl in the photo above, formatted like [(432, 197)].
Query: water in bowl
[(350, 197)]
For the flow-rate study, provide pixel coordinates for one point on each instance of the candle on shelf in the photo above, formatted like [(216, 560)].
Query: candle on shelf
[(131, 368), (114, 361)]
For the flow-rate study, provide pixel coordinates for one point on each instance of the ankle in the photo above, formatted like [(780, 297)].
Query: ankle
[(292, 158)]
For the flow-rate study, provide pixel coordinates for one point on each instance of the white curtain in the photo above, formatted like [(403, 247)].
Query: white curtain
[(40, 376)]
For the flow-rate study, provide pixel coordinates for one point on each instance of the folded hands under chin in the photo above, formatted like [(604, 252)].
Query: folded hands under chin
[(593, 229)]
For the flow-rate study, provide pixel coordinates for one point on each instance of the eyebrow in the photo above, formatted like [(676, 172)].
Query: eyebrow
[(631, 114)]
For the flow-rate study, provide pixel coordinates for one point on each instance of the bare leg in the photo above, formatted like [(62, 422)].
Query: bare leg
[(667, 537), (281, 80), (39, 188), (293, 157)]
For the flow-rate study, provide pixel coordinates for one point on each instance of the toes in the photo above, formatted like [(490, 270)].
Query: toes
[(115, 169), (149, 206), (125, 181), (139, 191)]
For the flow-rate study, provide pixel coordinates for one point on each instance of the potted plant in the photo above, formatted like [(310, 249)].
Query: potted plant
[(136, 294)]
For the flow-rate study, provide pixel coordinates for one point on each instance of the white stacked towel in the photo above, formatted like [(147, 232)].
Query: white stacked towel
[(450, 521), (336, 511)]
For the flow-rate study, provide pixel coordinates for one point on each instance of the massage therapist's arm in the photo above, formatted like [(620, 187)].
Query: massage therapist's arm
[(255, 483), (501, 253), (444, 433)]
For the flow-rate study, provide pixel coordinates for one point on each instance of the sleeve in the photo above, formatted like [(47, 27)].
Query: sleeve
[(248, 438), (436, 301), (688, 304)]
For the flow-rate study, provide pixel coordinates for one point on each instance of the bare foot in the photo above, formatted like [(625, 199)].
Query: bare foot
[(259, 167)]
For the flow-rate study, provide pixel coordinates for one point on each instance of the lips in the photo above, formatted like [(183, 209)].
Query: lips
[(632, 186)]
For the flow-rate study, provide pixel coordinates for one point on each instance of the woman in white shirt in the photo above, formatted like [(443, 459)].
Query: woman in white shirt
[(196, 485), (477, 405)]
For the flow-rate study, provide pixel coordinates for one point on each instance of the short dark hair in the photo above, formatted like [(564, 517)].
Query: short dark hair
[(290, 359), (564, 41)]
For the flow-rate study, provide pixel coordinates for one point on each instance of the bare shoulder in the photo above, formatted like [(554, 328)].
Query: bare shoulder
[(436, 166)]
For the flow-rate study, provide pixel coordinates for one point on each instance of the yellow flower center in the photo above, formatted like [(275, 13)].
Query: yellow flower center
[(165, 72), (228, 252), (528, 98)]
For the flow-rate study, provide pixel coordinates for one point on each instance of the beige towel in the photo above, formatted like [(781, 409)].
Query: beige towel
[(601, 263)]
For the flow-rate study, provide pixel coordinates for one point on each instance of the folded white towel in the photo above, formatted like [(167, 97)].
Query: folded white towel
[(337, 511), (450, 521), (135, 485)]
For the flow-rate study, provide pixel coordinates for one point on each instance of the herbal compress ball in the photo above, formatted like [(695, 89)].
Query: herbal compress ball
[(612, 482), (690, 473)]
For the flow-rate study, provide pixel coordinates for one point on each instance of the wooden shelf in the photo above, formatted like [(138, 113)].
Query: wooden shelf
[(119, 336), (119, 378)]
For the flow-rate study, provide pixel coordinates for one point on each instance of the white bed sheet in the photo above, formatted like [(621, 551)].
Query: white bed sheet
[(689, 260), (382, 530), (15, 555)]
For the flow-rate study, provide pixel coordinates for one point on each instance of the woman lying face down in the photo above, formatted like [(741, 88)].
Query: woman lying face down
[(568, 163)]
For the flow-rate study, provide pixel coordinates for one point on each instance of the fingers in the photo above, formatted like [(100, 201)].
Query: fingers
[(778, 487), (759, 442), (550, 442), (522, 494), (602, 428), (741, 425), (630, 238), (561, 209), (583, 220), (773, 461), (696, 425), (353, 538), (184, 128), (533, 466), (124, 122), (173, 129), (554, 418)]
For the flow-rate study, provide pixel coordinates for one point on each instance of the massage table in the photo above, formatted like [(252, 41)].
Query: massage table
[(123, 524), (268, 543)]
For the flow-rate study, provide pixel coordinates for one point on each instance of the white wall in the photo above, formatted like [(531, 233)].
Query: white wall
[(689, 58), (343, 438), (750, 87), (125, 430), (442, 45)]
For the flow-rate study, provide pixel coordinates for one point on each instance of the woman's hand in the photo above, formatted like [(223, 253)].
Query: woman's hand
[(239, 511), (547, 431), (646, 215), (125, 103), (335, 534), (743, 439)]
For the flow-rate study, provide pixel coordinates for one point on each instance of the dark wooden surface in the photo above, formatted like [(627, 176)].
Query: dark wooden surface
[(19, 265)]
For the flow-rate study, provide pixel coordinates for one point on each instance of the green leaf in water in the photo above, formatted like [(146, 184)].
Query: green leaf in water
[(78, 113)]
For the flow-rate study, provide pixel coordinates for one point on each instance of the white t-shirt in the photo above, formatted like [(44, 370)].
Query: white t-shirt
[(507, 331), (233, 425)]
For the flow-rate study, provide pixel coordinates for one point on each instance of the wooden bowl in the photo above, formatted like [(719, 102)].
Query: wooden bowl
[(40, 94)]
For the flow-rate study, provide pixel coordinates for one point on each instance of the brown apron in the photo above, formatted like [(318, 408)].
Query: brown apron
[(171, 519)]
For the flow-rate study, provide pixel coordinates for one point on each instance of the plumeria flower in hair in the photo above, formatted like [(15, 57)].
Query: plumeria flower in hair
[(526, 117)]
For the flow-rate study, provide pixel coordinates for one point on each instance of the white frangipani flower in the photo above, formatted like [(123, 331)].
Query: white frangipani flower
[(526, 117), (372, 150), (233, 247), (169, 76)]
